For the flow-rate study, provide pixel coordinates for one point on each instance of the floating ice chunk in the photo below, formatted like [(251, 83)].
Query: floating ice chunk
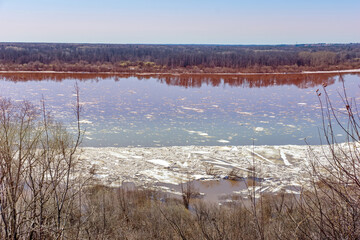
[(185, 164), (234, 149), (87, 103), (219, 163), (264, 189), (224, 148), (84, 121), (264, 158), (277, 189), (193, 109), (202, 134), (292, 191), (258, 129), (118, 155), (200, 152), (302, 104), (283, 156), (245, 113), (199, 176), (159, 162), (163, 176), (223, 141)]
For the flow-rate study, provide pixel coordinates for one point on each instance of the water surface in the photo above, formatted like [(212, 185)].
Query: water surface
[(168, 110)]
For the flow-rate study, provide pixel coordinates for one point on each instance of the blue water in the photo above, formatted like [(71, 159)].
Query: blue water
[(155, 112)]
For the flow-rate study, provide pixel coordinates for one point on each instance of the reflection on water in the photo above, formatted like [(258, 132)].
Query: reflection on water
[(187, 80), (168, 110), (210, 190)]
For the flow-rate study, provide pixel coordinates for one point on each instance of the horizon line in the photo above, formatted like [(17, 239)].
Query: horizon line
[(208, 44)]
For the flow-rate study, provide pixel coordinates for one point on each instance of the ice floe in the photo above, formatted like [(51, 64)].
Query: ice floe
[(85, 121), (193, 109), (159, 162), (281, 168), (258, 129)]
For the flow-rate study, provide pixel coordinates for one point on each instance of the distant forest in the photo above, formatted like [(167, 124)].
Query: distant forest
[(133, 58)]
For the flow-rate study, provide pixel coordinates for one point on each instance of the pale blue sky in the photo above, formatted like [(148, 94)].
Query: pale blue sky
[(184, 22)]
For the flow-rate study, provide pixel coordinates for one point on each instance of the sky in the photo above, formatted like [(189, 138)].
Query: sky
[(181, 22)]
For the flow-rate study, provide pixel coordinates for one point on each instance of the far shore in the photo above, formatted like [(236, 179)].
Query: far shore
[(185, 73)]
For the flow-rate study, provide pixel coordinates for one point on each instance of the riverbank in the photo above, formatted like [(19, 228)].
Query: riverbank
[(280, 168)]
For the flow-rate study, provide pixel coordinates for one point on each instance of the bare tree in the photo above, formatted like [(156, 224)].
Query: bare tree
[(37, 159), (332, 205)]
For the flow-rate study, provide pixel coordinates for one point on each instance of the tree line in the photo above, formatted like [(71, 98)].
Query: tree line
[(169, 58)]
